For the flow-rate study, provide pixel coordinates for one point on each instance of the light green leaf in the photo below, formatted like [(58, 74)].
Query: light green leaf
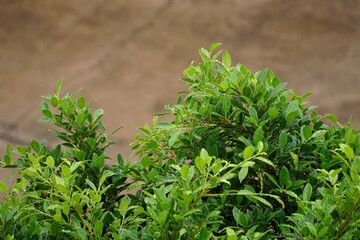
[(65, 171), (307, 192), (349, 152), (295, 158), (204, 154), (332, 118), (267, 161), (91, 185), (306, 132), (200, 164), (58, 87), (184, 171), (243, 173), (98, 228), (174, 135), (214, 46), (226, 59), (226, 104), (273, 112), (3, 187), (253, 113), (224, 85), (248, 152), (258, 135), (98, 114), (124, 206), (50, 162)]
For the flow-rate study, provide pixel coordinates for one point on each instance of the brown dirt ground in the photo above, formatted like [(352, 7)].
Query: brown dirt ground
[(128, 55)]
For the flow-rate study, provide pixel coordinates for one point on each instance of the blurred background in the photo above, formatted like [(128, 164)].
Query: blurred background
[(127, 56)]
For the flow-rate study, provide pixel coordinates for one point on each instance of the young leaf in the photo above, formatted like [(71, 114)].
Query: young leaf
[(200, 164), (248, 152), (243, 173), (349, 152), (226, 59), (50, 162), (58, 87), (98, 114), (214, 46)]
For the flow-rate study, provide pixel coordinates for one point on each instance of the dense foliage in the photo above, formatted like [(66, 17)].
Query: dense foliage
[(244, 158)]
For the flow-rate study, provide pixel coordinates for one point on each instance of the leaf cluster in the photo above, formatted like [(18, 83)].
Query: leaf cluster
[(243, 158)]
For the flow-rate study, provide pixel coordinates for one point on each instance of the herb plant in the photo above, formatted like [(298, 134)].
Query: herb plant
[(243, 158)]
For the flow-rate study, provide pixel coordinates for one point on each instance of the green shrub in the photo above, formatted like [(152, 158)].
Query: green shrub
[(243, 158)]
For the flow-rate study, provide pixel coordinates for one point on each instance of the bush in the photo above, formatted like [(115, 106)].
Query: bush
[(244, 158)]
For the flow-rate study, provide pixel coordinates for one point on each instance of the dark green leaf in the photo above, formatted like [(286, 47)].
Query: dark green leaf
[(284, 176), (258, 135)]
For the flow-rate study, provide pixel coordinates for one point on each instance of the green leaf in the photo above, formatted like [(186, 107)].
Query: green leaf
[(91, 185), (50, 162), (284, 176), (282, 140), (248, 152), (65, 171), (98, 114), (295, 158), (260, 146), (124, 206), (47, 113), (253, 113), (306, 132), (224, 85), (226, 104), (174, 135), (322, 232), (200, 164), (58, 87), (54, 101), (214, 46), (258, 135), (240, 217), (226, 59), (332, 118), (307, 192), (204, 154), (3, 187), (105, 176), (243, 173), (98, 228), (81, 102), (184, 171), (349, 152), (273, 112)]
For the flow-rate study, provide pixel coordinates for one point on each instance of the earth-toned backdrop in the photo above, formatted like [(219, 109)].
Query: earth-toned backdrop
[(127, 56)]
